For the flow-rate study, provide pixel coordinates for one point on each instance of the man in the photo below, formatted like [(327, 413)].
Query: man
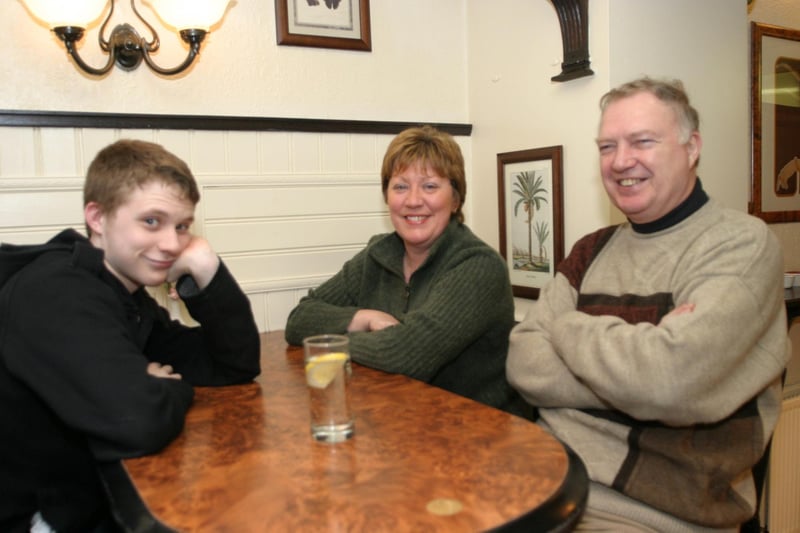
[(92, 370), (657, 350)]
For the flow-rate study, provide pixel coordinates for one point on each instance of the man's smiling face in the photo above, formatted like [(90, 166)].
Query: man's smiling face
[(648, 169)]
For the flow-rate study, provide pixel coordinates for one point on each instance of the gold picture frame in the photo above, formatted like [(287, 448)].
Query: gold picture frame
[(775, 96)]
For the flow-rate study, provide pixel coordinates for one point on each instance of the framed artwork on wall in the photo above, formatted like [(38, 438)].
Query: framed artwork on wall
[(775, 95), (340, 24), (530, 203)]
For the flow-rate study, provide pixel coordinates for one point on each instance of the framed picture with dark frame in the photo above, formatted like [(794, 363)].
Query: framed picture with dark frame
[(530, 202), (775, 95), (340, 24)]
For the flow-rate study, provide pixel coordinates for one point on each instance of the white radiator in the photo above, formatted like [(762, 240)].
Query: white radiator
[(783, 498)]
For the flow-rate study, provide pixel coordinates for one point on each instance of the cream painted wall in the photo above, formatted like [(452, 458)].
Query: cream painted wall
[(415, 72), (778, 12), (675, 39), (514, 105), (486, 63)]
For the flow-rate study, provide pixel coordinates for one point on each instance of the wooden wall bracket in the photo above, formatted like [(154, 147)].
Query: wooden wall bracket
[(573, 16)]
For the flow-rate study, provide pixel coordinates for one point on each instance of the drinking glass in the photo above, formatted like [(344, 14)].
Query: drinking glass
[(328, 370)]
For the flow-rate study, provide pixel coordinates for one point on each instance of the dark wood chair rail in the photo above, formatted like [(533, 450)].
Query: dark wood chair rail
[(73, 119), (246, 462)]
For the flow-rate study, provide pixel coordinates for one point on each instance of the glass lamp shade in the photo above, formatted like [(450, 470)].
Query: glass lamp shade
[(57, 13), (190, 14)]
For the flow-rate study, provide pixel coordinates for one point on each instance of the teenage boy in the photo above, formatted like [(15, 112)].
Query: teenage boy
[(92, 370)]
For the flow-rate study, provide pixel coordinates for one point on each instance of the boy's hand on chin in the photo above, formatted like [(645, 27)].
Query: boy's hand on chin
[(197, 260)]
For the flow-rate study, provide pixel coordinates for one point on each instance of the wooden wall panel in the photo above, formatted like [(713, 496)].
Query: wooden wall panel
[(288, 200), (301, 234), (287, 269), (284, 209)]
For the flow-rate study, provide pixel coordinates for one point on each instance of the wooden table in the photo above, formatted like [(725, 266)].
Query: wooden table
[(422, 459)]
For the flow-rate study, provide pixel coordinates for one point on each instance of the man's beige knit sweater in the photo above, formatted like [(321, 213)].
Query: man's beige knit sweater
[(669, 417)]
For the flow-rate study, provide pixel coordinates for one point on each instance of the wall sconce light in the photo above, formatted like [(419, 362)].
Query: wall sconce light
[(125, 47)]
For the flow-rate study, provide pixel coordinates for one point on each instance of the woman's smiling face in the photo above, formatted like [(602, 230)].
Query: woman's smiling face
[(420, 205)]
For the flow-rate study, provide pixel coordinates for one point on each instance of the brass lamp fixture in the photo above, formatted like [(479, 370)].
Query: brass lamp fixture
[(125, 47)]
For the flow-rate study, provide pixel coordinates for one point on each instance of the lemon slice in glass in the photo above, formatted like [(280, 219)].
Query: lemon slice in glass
[(321, 371)]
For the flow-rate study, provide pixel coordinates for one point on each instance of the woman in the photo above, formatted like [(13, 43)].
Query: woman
[(430, 300)]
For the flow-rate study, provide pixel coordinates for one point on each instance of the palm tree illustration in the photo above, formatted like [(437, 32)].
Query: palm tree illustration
[(542, 232), (531, 195)]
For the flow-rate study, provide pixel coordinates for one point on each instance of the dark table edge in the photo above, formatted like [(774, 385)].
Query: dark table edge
[(562, 511), (127, 505)]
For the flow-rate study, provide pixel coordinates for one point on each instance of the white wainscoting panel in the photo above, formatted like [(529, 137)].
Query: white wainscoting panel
[(283, 209)]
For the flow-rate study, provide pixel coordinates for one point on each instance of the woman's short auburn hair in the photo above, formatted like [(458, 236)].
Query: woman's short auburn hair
[(427, 146)]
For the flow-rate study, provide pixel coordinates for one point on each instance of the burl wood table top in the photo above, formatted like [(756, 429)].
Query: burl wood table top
[(422, 459)]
